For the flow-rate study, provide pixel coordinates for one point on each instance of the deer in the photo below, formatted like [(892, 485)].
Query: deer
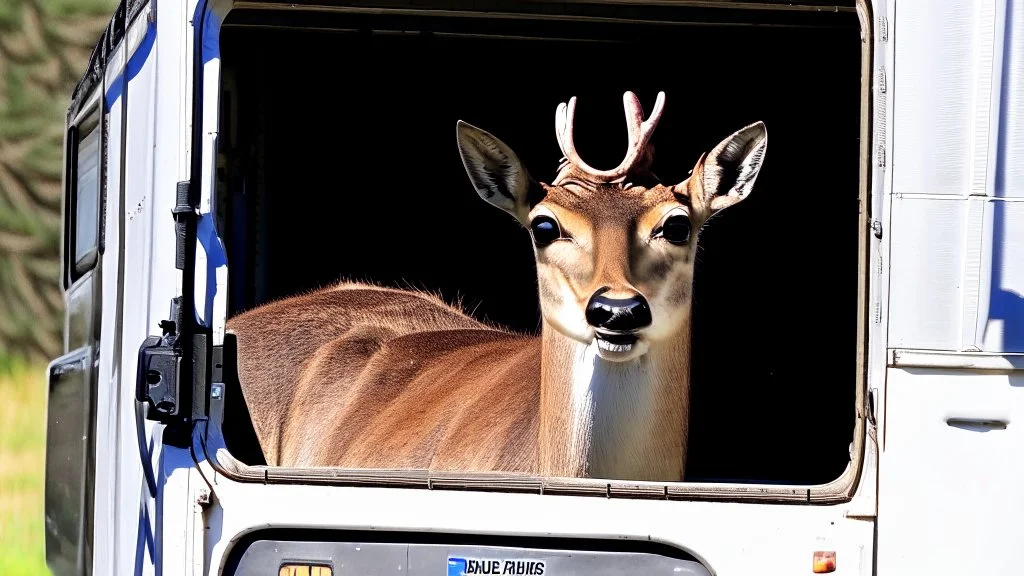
[(357, 375)]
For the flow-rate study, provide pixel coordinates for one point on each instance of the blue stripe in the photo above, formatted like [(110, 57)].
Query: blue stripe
[(114, 91), (209, 239), (131, 70), (211, 36)]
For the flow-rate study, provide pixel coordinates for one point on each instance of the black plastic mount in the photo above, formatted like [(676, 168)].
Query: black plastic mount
[(171, 364), (158, 382)]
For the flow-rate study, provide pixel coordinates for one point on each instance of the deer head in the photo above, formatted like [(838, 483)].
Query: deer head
[(614, 248)]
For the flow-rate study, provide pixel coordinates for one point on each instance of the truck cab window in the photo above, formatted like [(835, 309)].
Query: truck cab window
[(83, 196), (87, 194)]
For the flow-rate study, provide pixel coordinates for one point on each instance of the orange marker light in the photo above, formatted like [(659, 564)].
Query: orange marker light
[(305, 570), (824, 562)]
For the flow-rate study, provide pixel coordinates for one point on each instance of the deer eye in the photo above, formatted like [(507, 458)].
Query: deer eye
[(545, 230), (675, 230)]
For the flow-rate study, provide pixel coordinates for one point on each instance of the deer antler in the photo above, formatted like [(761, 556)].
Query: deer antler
[(638, 132)]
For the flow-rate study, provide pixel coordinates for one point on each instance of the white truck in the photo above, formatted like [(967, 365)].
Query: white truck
[(859, 323)]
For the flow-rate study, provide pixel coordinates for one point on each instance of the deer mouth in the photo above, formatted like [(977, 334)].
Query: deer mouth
[(616, 343)]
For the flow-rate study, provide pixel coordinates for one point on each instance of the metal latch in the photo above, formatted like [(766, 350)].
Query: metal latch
[(158, 382)]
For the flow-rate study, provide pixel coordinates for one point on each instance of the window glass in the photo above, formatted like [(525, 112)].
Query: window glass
[(87, 187)]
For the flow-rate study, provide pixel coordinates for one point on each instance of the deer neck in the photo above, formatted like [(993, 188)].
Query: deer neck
[(613, 420)]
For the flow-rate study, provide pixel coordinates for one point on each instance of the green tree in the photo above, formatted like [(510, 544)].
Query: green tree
[(44, 48)]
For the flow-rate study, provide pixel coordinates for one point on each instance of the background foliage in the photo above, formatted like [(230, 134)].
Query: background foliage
[(44, 48), (22, 444)]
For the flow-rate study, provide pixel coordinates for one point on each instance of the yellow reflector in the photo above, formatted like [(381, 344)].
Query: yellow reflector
[(305, 570), (824, 562)]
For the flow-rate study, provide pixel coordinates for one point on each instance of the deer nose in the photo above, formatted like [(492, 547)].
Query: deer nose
[(618, 314)]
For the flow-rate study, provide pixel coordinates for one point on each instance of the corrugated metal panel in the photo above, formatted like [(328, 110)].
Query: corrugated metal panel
[(1010, 162), (931, 116), (1003, 325), (927, 261), (957, 275)]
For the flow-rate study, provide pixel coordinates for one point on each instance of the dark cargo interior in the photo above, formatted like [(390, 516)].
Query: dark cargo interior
[(338, 160)]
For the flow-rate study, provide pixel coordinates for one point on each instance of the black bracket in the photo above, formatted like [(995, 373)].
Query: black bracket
[(170, 364), (158, 382), (872, 407)]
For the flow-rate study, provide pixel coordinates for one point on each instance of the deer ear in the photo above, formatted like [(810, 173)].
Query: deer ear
[(727, 173), (496, 172)]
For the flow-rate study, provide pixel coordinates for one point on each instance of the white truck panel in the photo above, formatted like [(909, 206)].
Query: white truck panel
[(949, 496)]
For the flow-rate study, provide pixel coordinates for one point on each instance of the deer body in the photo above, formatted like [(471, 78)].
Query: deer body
[(361, 376)]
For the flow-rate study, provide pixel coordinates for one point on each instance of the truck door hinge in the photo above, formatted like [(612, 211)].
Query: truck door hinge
[(158, 382)]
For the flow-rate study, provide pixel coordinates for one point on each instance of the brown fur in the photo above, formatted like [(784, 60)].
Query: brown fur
[(315, 331)]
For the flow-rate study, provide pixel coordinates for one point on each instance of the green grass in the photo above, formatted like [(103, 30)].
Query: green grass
[(22, 446)]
